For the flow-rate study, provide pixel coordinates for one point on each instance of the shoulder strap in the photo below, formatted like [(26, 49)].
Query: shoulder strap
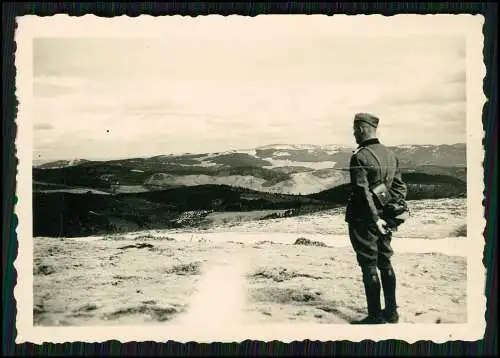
[(357, 150), (378, 161)]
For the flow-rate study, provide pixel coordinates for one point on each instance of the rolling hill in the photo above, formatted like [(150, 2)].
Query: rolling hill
[(287, 169), (69, 214), (81, 197)]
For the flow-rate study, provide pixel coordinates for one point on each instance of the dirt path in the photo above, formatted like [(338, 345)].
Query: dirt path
[(220, 296)]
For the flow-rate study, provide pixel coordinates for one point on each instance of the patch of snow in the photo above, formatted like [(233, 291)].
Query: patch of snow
[(207, 164), (289, 146), (333, 147), (201, 163), (131, 189), (192, 180), (291, 163), (281, 153), (305, 183), (448, 246), (299, 183), (278, 146), (74, 191)]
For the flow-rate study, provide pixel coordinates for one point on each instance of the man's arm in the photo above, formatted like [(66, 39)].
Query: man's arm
[(361, 186), (398, 188)]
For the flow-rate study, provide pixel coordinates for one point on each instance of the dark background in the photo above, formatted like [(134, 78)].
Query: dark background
[(486, 347)]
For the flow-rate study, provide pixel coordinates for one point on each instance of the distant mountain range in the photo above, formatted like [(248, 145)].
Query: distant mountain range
[(290, 169), (154, 192)]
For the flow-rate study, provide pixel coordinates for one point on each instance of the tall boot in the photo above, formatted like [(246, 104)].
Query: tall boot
[(372, 292), (388, 278)]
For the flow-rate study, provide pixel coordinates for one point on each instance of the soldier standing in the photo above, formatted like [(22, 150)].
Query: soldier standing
[(370, 237)]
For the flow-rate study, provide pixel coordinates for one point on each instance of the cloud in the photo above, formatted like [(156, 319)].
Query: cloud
[(42, 126), (47, 90), (186, 94), (428, 95), (459, 76)]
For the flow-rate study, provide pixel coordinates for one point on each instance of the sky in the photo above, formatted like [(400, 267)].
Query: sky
[(200, 90)]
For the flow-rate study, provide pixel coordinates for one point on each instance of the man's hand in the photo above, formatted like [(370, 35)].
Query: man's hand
[(382, 226)]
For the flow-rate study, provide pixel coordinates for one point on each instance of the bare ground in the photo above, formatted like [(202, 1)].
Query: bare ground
[(114, 282), (323, 285), (156, 279)]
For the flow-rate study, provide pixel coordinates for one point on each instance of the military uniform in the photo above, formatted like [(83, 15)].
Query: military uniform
[(371, 164)]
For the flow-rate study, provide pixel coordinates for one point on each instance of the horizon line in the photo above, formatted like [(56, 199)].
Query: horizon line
[(233, 150)]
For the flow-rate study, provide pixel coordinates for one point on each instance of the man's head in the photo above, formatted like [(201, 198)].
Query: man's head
[(365, 127)]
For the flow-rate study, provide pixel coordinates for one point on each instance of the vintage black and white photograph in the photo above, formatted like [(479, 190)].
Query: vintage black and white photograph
[(233, 175)]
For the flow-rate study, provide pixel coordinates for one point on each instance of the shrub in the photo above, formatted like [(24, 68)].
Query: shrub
[(307, 242), (460, 231), (44, 270), (280, 274), (192, 268)]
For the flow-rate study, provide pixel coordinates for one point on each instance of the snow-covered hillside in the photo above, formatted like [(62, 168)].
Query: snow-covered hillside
[(276, 168)]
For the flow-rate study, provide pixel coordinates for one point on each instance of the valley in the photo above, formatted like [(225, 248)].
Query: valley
[(82, 197)]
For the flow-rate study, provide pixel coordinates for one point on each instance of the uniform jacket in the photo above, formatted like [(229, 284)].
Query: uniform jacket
[(366, 172)]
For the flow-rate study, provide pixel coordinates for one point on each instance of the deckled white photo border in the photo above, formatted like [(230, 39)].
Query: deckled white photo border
[(470, 26)]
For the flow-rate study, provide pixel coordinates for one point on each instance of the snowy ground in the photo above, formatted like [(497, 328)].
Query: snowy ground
[(249, 273), (130, 281), (430, 219)]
